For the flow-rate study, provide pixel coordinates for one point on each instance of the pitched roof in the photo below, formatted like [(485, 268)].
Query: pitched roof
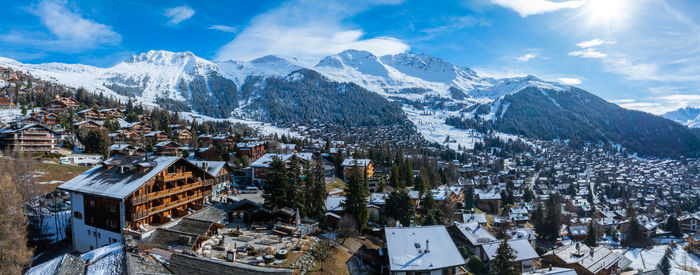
[(421, 248), (112, 183), (523, 249)]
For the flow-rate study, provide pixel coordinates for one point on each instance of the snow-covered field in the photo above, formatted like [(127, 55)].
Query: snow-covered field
[(682, 263), (433, 128)]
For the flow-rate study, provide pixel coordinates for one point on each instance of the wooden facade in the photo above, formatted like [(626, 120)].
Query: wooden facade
[(30, 138), (168, 195)]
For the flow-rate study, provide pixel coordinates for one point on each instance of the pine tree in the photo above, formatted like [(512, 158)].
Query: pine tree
[(275, 192), (399, 206), (316, 193), (395, 177), (469, 198), (633, 232), (591, 238), (502, 263), (665, 264), (356, 198), (295, 191)]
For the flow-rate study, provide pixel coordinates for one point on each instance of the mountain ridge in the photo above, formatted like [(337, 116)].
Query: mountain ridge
[(428, 90)]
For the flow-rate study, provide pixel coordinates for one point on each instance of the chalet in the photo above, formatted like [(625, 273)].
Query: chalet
[(156, 137), (208, 153), (86, 126), (62, 104), (689, 223), (132, 193), (577, 232), (588, 261), (422, 250), (28, 138), (167, 148), (366, 167), (479, 218), (206, 139), (91, 114), (113, 112), (488, 198), (221, 172), (446, 195), (524, 253), (253, 150), (471, 235), (6, 102), (145, 119), (261, 165), (125, 136), (139, 128), (125, 150), (227, 141), (183, 136), (45, 117)]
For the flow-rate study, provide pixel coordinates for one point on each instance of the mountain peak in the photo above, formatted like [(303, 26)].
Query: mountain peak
[(362, 61), (162, 57)]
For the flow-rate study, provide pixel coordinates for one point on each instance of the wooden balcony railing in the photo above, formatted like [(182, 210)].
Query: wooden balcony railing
[(160, 208), (166, 192), (174, 176)]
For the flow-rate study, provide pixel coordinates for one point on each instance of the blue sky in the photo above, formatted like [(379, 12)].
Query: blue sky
[(641, 54)]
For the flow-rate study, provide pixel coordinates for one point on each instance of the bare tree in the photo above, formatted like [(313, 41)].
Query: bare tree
[(321, 251), (14, 253), (347, 227)]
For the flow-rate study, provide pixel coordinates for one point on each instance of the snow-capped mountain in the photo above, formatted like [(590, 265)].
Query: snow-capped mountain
[(688, 116), (356, 88)]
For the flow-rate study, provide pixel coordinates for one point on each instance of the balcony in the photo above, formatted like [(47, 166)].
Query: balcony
[(160, 208), (175, 176), (166, 192)]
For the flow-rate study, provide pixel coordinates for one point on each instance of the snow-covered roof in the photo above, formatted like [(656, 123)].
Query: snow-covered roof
[(213, 167), (474, 217), (421, 248), (475, 233), (523, 249), (378, 198), (266, 160), (358, 162), (335, 203), (112, 183)]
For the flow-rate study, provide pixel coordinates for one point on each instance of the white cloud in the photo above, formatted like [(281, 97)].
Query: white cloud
[(178, 14), (662, 104), (593, 43), (533, 7), (588, 53), (224, 28), (308, 31), (68, 30), (569, 81), (526, 57)]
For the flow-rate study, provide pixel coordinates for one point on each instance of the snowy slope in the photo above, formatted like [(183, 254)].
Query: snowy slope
[(443, 88)]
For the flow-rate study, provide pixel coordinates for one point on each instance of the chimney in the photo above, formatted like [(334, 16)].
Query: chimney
[(592, 251), (427, 246)]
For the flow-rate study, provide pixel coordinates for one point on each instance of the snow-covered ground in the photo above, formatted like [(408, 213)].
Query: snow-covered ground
[(433, 128), (682, 262), (55, 225)]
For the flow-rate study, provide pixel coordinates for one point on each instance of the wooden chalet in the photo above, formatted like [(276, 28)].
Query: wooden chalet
[(28, 138), (156, 137), (183, 136), (6, 102), (167, 148), (208, 154), (133, 193), (62, 104)]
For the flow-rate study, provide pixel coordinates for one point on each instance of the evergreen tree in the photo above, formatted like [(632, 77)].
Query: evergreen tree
[(591, 238), (295, 191), (356, 199), (96, 142), (665, 264), (395, 177), (275, 192), (674, 226), (316, 193), (502, 263), (633, 232), (469, 198), (399, 207)]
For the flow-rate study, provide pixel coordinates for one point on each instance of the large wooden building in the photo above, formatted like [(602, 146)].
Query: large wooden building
[(28, 138), (133, 193)]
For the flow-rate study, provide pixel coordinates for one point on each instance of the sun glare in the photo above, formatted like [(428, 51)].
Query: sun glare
[(606, 11)]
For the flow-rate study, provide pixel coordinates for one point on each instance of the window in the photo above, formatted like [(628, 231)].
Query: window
[(112, 208), (92, 203), (88, 232), (77, 215)]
